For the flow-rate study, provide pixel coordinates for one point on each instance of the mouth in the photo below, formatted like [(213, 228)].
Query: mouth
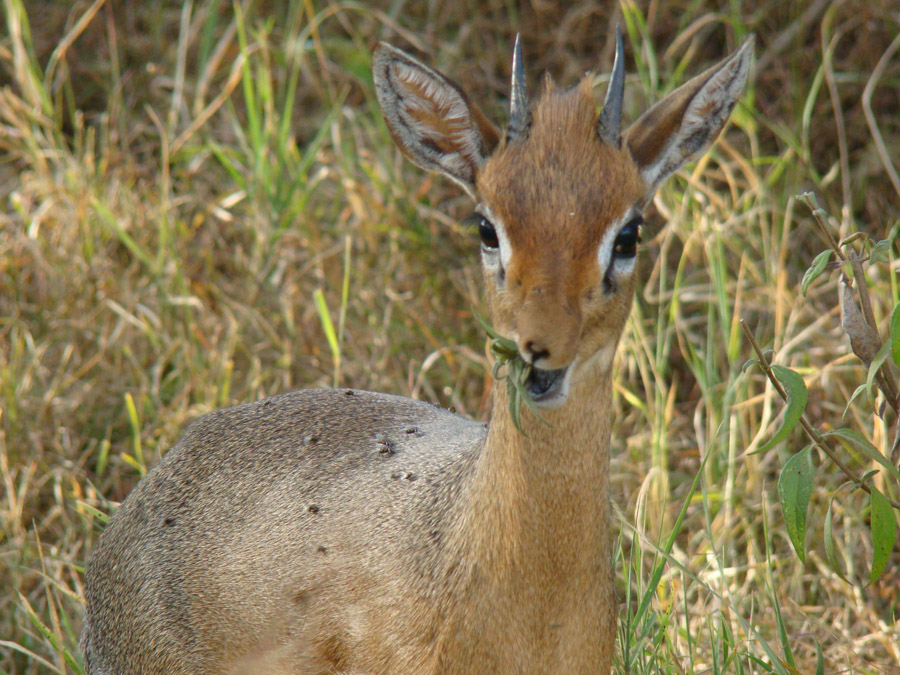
[(547, 388)]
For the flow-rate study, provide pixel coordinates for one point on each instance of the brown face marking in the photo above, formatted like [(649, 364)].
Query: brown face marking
[(557, 192)]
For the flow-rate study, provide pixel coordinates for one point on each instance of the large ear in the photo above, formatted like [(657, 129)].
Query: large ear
[(431, 118), (686, 122)]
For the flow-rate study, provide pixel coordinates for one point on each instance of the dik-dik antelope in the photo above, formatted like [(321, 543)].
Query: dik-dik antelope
[(342, 531)]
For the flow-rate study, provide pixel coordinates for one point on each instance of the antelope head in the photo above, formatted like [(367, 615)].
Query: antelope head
[(559, 196)]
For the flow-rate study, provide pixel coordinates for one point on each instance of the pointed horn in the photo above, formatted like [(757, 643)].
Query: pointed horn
[(519, 115), (610, 124)]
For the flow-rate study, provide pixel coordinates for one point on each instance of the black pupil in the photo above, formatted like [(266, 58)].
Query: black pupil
[(627, 240), (487, 233)]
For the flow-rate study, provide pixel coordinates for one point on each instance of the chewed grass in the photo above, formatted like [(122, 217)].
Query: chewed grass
[(509, 366), (200, 205)]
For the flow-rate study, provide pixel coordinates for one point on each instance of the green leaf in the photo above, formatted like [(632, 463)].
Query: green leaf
[(830, 553), (795, 486), (879, 358), (857, 439), (849, 239), (815, 270), (506, 354), (748, 364), (868, 475), (895, 334), (859, 390), (884, 533), (796, 404), (881, 252)]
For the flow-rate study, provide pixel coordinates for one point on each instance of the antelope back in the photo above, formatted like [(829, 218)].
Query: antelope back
[(559, 196)]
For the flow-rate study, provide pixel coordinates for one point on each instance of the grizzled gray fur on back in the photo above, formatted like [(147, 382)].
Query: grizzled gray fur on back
[(209, 505)]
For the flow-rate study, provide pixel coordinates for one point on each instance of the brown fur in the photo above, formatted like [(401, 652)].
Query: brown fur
[(349, 532)]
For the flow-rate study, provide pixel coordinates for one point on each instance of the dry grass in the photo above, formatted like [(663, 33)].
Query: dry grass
[(178, 182)]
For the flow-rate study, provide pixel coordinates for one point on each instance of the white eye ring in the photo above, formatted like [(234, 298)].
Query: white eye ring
[(617, 252), (489, 255)]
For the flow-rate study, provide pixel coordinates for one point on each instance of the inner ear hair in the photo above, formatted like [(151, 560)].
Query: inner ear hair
[(431, 118), (685, 123)]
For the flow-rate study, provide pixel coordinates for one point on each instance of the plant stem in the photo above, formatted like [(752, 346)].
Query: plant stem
[(814, 435), (882, 378)]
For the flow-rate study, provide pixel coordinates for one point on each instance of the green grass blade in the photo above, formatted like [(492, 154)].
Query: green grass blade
[(895, 334), (330, 333), (135, 424)]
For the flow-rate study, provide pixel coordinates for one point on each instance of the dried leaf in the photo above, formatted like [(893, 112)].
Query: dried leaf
[(863, 338)]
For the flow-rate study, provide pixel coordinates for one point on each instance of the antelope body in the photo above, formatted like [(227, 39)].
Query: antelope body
[(341, 531)]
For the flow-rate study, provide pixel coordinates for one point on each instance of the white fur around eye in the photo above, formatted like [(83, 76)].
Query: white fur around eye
[(623, 266), (493, 258), (610, 265)]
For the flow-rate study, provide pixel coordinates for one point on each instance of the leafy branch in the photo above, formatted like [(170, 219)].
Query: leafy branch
[(860, 326), (796, 480), (795, 396)]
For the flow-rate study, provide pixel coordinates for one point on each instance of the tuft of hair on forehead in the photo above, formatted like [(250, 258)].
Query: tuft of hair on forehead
[(574, 108)]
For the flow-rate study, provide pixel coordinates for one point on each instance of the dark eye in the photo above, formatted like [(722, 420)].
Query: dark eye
[(627, 240), (487, 233)]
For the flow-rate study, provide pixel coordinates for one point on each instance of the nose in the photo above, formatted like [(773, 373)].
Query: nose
[(534, 351), (548, 332)]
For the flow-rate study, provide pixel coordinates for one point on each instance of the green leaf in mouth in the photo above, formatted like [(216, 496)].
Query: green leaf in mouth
[(518, 370)]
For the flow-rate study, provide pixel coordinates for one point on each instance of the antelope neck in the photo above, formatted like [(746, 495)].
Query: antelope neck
[(542, 496)]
